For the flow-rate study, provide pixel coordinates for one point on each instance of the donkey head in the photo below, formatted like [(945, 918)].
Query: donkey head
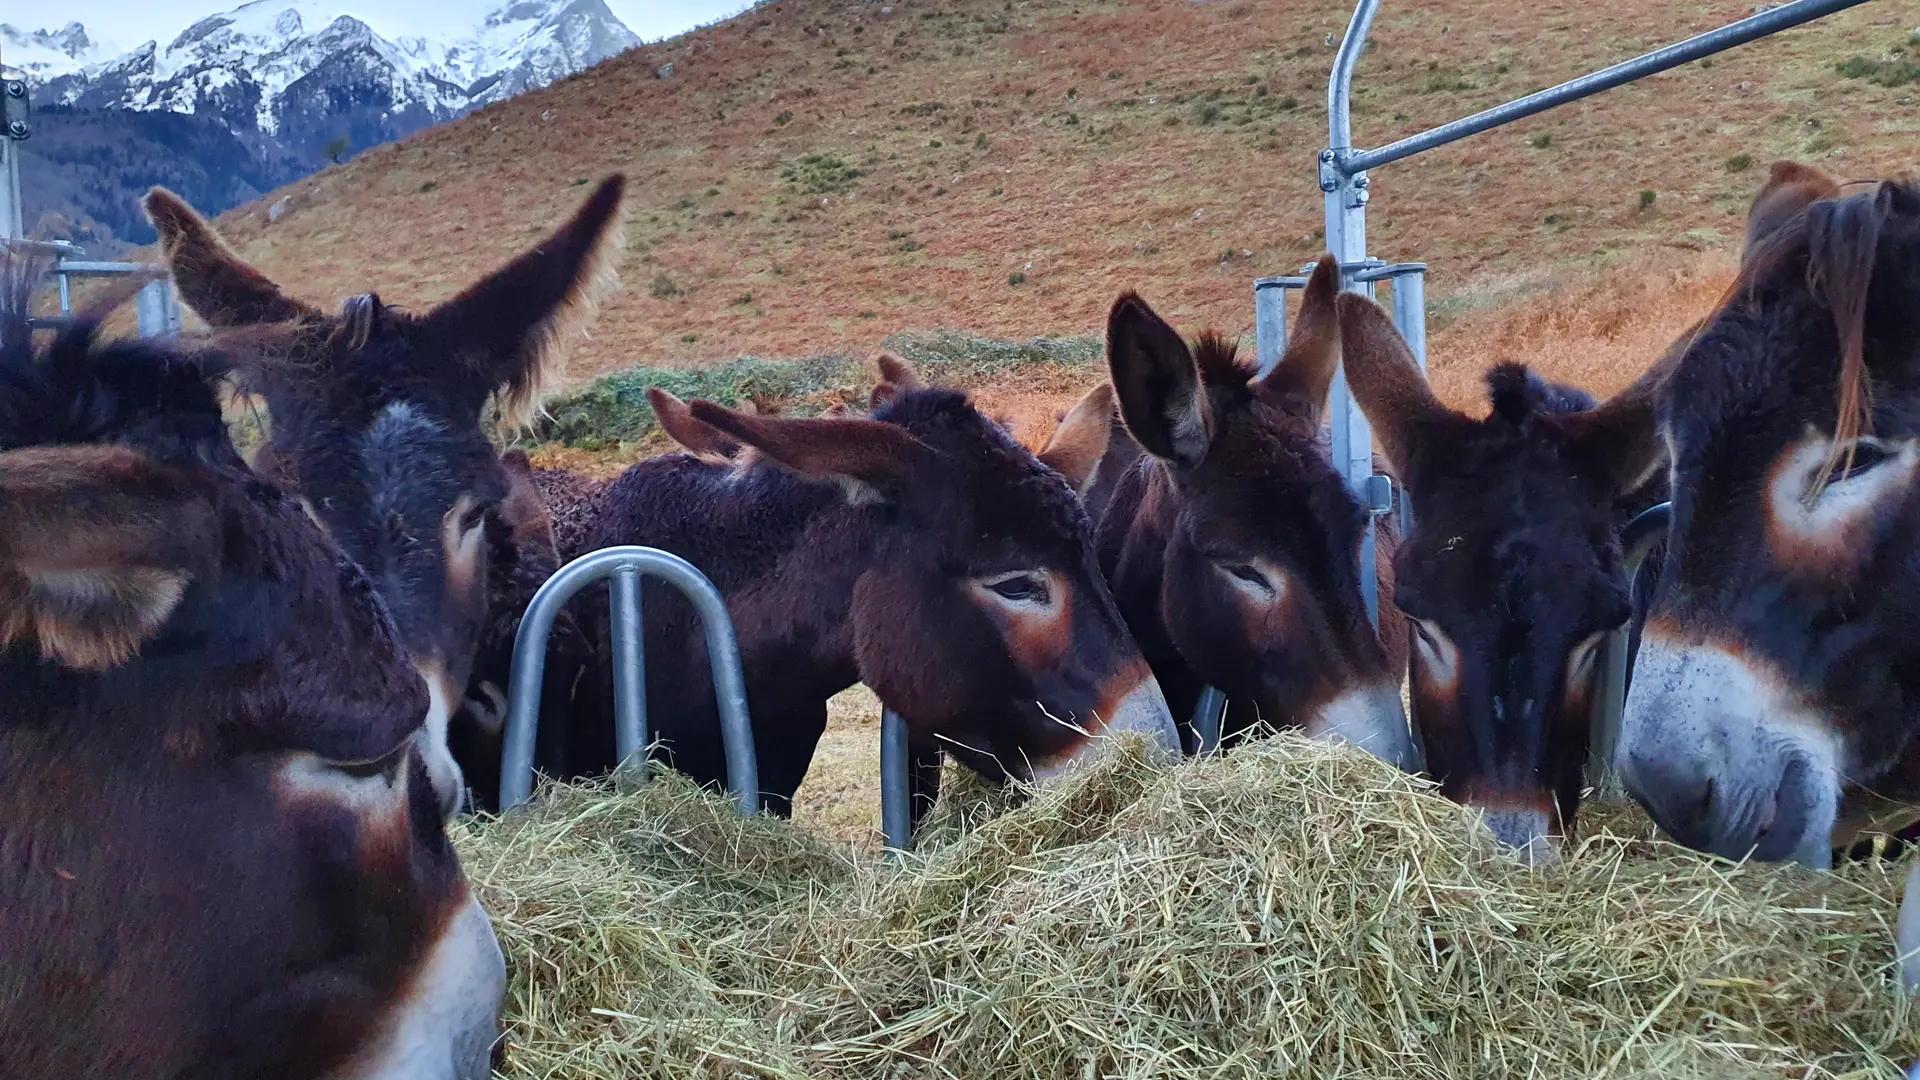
[(376, 413), (1512, 575), (1241, 543), (1776, 677), (981, 618), (133, 537)]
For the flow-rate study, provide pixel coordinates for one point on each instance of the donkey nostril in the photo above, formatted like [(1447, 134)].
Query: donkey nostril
[(1706, 797)]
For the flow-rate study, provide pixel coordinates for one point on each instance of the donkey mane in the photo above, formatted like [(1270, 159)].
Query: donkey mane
[(1518, 394), (81, 390), (1218, 359), (1838, 239)]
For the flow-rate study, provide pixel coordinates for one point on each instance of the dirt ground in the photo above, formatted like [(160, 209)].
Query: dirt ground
[(841, 795)]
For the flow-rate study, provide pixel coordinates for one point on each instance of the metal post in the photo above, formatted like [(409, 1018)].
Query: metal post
[(1209, 716), (896, 810), (1637, 540), (629, 671), (153, 307), (1269, 322), (1346, 228), (530, 663)]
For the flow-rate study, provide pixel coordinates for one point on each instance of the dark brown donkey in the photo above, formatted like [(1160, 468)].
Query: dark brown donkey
[(1233, 547), (920, 551), (222, 853), (1772, 706), (1512, 575), (376, 421)]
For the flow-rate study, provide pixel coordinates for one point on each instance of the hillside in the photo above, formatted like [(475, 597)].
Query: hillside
[(817, 174)]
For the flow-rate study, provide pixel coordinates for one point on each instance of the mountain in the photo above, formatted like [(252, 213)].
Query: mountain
[(294, 82)]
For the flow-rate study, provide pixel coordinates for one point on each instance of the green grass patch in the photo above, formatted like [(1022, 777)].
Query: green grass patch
[(1894, 71), (613, 409)]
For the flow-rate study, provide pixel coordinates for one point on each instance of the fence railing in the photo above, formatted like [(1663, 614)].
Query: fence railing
[(626, 565)]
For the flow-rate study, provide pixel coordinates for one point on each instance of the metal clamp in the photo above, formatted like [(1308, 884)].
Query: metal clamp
[(625, 565)]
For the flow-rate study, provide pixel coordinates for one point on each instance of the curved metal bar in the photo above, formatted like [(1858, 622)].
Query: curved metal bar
[(1340, 83), (723, 654), (1637, 540)]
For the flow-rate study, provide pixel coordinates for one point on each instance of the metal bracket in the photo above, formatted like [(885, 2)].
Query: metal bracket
[(15, 109), (1379, 493), (1330, 174)]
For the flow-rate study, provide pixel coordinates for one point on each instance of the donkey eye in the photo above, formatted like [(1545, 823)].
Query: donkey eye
[(1866, 455), (1247, 573), (1020, 588)]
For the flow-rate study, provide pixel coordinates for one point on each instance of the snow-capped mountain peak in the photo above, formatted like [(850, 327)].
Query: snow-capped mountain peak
[(45, 54), (269, 64)]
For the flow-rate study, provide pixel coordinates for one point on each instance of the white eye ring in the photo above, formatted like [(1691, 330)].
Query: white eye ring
[(1436, 651)]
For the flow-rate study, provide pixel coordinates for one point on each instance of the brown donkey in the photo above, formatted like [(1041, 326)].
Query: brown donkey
[(920, 551), (1512, 576), (1771, 711), (224, 855), (376, 421), (1233, 545)]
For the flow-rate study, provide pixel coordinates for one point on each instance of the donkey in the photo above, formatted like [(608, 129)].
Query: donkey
[(225, 857), (1092, 449), (919, 550), (1233, 545), (378, 428), (1770, 711), (1512, 576)]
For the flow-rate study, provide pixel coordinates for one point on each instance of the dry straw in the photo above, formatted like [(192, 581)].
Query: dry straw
[(1291, 910)]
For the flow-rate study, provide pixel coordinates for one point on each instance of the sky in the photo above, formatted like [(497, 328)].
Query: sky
[(127, 23)]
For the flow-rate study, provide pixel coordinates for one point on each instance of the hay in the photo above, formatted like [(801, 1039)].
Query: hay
[(1292, 910)]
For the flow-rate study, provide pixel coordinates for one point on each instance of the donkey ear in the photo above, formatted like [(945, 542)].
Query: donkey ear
[(1386, 382), (1303, 376), (678, 422), (897, 377), (1790, 188), (516, 323), (872, 459), (213, 281), (1075, 448), (97, 548), (1158, 385)]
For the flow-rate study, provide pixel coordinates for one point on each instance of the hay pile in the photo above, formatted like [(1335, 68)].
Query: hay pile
[(1293, 910)]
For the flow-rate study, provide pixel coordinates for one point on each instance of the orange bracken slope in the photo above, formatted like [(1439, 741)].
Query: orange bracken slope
[(817, 174)]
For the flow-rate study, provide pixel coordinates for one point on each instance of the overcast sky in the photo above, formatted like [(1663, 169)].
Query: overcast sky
[(127, 23)]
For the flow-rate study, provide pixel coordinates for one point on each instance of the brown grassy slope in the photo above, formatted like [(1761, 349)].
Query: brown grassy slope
[(1094, 146)]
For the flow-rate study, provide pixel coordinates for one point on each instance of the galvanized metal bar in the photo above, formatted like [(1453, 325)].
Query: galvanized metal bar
[(1410, 310), (1726, 37), (896, 807), (92, 266), (629, 670), (1209, 716), (153, 308), (66, 295), (530, 662), (1270, 321), (1346, 235), (1637, 540)]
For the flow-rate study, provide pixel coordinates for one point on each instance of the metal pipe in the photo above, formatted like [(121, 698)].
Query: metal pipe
[(1269, 322), (530, 663), (1340, 85), (1209, 716), (1780, 18), (896, 809), (1637, 540), (629, 671)]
